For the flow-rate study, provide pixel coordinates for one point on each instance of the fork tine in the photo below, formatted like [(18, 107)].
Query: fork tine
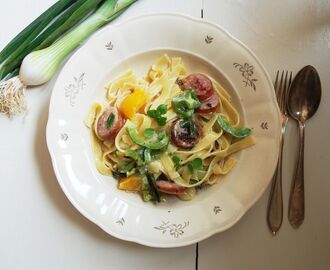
[(276, 83), (280, 90), (282, 85), (290, 80), (285, 105), (284, 92)]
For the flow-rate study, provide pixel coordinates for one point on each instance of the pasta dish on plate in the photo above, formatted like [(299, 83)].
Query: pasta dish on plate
[(167, 133)]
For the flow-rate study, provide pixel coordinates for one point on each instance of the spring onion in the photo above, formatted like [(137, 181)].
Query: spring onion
[(32, 29), (39, 66), (42, 38)]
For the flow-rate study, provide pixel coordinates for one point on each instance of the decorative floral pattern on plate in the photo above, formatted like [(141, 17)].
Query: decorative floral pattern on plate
[(109, 46), (73, 89), (174, 229), (121, 221), (264, 125), (208, 39), (64, 137), (247, 72), (217, 209)]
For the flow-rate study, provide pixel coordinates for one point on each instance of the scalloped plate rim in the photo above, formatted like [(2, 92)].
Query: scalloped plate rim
[(138, 240)]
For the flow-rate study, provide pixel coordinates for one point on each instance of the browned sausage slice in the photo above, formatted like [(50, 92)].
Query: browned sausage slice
[(182, 137), (105, 132), (169, 187), (202, 85), (209, 105)]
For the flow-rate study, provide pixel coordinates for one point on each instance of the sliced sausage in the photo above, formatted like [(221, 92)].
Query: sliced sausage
[(169, 187), (209, 105), (182, 137), (201, 84), (109, 133)]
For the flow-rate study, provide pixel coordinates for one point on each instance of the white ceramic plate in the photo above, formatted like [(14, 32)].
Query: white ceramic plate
[(136, 44)]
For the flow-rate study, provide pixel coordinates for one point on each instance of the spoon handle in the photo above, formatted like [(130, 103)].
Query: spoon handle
[(297, 198)]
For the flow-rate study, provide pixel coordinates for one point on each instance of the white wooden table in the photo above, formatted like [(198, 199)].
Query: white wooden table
[(40, 229)]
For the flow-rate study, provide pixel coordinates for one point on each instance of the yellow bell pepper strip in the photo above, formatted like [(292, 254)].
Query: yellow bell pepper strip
[(131, 183), (133, 103)]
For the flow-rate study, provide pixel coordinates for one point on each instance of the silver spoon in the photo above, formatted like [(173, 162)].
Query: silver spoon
[(303, 100)]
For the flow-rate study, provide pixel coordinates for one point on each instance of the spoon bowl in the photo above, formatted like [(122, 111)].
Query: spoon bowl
[(303, 101), (305, 94)]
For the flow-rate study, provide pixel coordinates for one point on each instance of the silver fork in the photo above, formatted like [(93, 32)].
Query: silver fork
[(275, 204)]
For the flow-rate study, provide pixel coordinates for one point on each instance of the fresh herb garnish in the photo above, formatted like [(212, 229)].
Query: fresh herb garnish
[(195, 164), (158, 113), (162, 109), (110, 120), (185, 104), (236, 132), (176, 160), (190, 125), (148, 132)]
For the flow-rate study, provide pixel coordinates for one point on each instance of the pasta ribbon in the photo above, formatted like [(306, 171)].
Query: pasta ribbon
[(215, 149)]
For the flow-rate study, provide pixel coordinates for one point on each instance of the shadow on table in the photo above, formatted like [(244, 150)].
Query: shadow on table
[(52, 187)]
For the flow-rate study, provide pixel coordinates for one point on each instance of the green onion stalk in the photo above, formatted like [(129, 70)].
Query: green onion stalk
[(34, 28), (39, 66), (44, 34)]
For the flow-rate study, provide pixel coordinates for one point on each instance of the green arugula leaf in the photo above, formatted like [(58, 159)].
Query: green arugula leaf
[(195, 164), (176, 160)]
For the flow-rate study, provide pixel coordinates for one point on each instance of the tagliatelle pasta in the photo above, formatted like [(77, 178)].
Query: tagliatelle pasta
[(151, 131)]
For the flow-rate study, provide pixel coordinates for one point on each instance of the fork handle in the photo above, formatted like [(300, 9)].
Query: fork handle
[(275, 204), (297, 198)]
